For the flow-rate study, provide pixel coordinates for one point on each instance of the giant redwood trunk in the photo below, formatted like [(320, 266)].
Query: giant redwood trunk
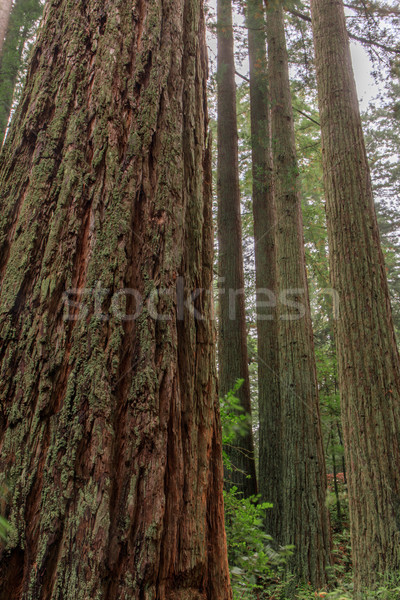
[(232, 342), (5, 10), (109, 428), (304, 518), (368, 360), (270, 443)]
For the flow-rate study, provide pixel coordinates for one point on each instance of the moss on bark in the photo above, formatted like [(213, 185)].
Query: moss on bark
[(109, 428)]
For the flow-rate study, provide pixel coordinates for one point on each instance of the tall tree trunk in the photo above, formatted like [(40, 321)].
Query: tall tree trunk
[(22, 27), (109, 427), (305, 521), (339, 524), (232, 343), (264, 213), (369, 372), (5, 10)]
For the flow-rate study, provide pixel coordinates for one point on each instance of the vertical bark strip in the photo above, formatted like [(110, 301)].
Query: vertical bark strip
[(264, 214), (368, 360), (5, 10), (304, 516), (232, 342), (109, 428)]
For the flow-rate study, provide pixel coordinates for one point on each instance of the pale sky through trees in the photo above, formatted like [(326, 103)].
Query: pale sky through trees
[(366, 86)]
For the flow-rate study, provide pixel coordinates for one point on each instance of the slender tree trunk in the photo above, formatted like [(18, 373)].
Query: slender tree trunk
[(339, 523), (264, 213), (369, 373), (232, 343), (109, 427), (5, 10), (305, 521), (338, 425)]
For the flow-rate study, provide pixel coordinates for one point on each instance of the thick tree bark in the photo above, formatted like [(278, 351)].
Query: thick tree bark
[(5, 10), (109, 427), (232, 342), (305, 520), (264, 213), (368, 360)]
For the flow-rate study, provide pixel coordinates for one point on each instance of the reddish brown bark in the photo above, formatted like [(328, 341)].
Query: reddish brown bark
[(304, 517), (232, 341), (264, 213), (109, 427), (368, 359)]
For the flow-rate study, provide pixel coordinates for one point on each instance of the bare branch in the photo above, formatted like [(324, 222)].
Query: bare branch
[(357, 38)]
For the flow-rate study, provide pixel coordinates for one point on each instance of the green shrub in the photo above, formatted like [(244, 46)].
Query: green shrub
[(235, 422), (253, 562)]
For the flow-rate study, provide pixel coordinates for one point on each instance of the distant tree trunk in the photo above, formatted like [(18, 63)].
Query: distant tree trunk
[(5, 10), (22, 27), (338, 425), (264, 213), (369, 371), (304, 516), (339, 524), (232, 342), (109, 428)]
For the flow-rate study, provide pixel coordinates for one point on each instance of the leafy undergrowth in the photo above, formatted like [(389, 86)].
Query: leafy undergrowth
[(254, 563), (258, 568), (387, 592)]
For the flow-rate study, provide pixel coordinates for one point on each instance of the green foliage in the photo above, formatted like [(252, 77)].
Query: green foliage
[(4, 524), (24, 21), (235, 422), (252, 560), (381, 126), (389, 591)]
